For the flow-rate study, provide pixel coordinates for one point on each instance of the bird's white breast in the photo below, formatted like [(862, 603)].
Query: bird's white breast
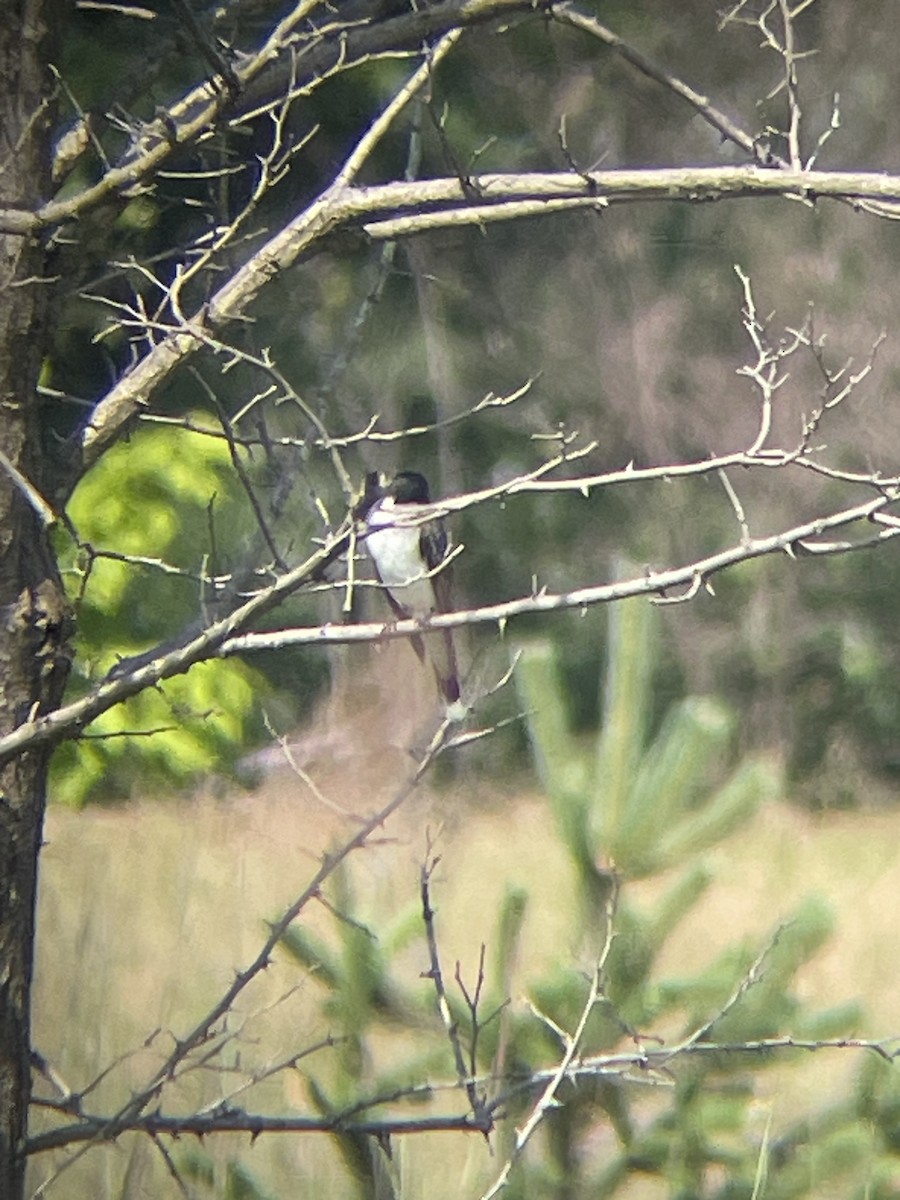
[(398, 559)]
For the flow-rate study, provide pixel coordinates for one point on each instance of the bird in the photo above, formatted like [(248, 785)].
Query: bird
[(407, 548)]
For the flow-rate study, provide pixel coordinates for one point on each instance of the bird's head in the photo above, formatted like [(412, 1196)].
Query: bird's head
[(409, 487)]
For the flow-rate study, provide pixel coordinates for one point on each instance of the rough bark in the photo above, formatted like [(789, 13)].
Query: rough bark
[(33, 620)]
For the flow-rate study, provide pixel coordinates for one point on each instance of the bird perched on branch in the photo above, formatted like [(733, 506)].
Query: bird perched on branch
[(408, 548)]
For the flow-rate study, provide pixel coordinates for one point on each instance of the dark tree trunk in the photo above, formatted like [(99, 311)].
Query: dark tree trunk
[(32, 608)]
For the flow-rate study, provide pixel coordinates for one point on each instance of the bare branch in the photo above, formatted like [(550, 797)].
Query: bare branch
[(69, 720), (653, 1064), (325, 440), (380, 126), (736, 505), (435, 973), (94, 1130), (440, 203), (797, 539), (259, 76), (105, 1129), (243, 477), (44, 509), (224, 638), (788, 51), (572, 1048), (568, 14)]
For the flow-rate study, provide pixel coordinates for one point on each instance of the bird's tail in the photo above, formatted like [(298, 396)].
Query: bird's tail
[(438, 648), (442, 653)]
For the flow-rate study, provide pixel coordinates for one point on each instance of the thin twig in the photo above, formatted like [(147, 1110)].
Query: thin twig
[(435, 973), (133, 1111), (572, 1047)]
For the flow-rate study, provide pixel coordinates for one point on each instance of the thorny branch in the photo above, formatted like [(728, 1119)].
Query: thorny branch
[(226, 637), (205, 1028), (200, 644), (435, 204), (93, 1130), (174, 344), (569, 14), (572, 1044), (292, 61), (402, 209), (435, 972), (797, 540), (406, 207), (648, 1064), (221, 639), (328, 441), (298, 57)]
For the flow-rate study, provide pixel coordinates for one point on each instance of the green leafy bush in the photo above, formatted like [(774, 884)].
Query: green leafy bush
[(639, 801), (165, 505)]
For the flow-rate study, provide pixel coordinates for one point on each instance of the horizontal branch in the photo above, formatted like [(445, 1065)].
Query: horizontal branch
[(292, 59), (225, 638), (653, 584), (97, 1129), (200, 644), (533, 194), (639, 1065), (633, 1065), (650, 183), (419, 205), (287, 58), (196, 646)]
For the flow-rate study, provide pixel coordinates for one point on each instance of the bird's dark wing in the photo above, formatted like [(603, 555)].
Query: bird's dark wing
[(434, 545)]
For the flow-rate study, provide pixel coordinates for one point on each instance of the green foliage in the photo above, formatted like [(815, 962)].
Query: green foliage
[(161, 496), (236, 1182), (644, 808), (641, 799), (161, 499), (193, 726), (649, 804), (649, 807), (360, 998), (569, 303)]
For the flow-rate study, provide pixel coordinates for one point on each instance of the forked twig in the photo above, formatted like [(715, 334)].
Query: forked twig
[(572, 1047)]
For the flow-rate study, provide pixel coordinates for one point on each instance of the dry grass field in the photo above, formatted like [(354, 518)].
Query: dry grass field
[(146, 910)]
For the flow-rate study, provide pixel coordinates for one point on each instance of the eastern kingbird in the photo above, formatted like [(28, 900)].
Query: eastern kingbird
[(408, 547)]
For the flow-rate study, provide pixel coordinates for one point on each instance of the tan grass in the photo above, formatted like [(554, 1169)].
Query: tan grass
[(146, 911)]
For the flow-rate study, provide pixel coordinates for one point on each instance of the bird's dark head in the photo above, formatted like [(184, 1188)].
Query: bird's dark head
[(409, 487)]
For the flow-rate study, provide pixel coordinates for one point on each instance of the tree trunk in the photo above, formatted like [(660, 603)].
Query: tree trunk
[(33, 615)]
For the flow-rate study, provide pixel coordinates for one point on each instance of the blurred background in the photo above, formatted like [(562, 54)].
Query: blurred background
[(627, 321), (628, 324)]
